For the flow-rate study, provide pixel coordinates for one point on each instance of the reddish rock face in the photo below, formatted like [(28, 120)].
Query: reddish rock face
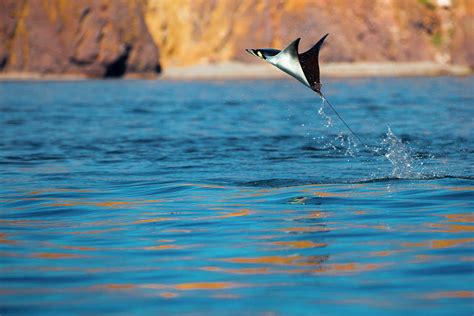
[(8, 11), (102, 38), (462, 42), (191, 32), (95, 38)]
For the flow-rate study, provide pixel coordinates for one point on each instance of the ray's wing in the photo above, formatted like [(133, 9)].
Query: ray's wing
[(288, 61), (270, 52), (310, 63)]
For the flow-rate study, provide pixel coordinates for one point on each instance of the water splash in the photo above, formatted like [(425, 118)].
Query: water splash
[(349, 144), (399, 155), (405, 164), (403, 161), (341, 141), (324, 116)]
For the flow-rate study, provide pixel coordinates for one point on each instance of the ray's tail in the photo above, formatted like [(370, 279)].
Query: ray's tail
[(342, 120)]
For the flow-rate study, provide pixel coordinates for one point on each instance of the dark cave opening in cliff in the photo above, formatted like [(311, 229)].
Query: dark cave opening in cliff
[(3, 63), (119, 66), (158, 69)]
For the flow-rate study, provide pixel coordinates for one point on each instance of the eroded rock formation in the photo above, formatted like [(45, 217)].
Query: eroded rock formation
[(190, 32), (95, 38), (114, 37), (461, 33)]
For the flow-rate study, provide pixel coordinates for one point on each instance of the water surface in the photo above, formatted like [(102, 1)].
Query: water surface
[(186, 198)]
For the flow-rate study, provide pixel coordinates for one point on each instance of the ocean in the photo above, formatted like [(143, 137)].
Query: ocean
[(237, 197)]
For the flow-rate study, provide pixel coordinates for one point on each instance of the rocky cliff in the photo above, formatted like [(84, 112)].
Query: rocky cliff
[(95, 38), (116, 37), (190, 32)]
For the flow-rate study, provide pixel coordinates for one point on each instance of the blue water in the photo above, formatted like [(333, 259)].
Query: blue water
[(237, 197)]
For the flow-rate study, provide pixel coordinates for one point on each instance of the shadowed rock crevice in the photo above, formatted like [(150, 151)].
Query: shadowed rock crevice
[(90, 38), (158, 69), (119, 66), (3, 62)]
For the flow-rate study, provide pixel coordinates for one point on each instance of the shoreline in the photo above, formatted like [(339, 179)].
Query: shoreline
[(237, 70), (234, 70)]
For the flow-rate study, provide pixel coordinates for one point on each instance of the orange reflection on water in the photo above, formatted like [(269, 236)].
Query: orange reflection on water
[(450, 294), (55, 190), (21, 222), (460, 188), (120, 269), (281, 260), (440, 243), (317, 214), (80, 248), (109, 204), (163, 247), (385, 253), (52, 255), (316, 263), (460, 218), (415, 244), (299, 244), (436, 244), (168, 295), (5, 240), (381, 227), (451, 228), (243, 212), (238, 271), (205, 286), (227, 296), (154, 220), (118, 286), (329, 194), (194, 286), (339, 268), (352, 267), (304, 229), (112, 203)]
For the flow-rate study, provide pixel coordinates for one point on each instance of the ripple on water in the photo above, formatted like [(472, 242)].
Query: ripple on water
[(181, 202)]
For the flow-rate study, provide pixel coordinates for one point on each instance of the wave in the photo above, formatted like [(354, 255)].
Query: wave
[(282, 183)]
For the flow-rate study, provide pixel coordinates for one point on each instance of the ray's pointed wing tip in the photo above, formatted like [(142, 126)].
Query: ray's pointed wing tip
[(293, 46), (323, 38), (320, 43), (250, 51)]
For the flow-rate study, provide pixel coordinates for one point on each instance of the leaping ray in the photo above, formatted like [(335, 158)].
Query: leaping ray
[(303, 67)]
